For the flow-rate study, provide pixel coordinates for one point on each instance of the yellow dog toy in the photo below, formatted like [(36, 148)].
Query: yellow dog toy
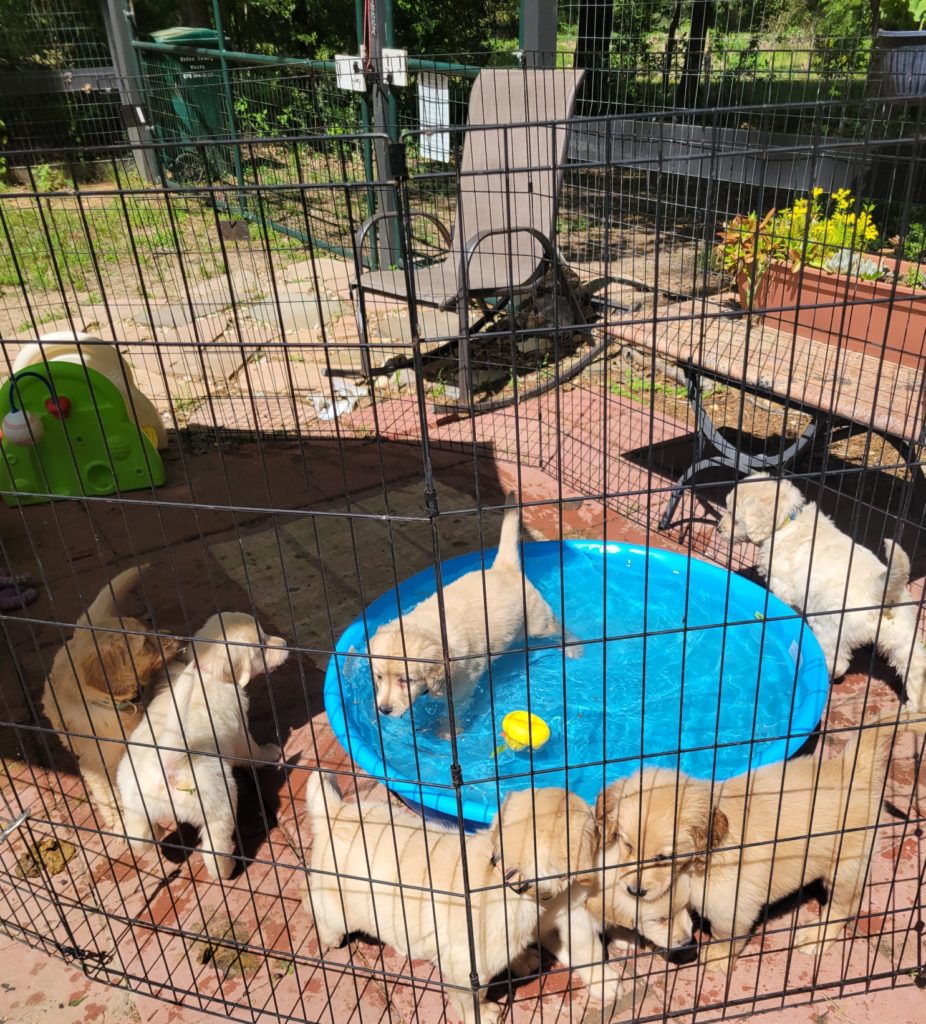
[(520, 729)]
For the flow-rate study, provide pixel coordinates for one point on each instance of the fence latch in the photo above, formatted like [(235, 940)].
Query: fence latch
[(398, 167)]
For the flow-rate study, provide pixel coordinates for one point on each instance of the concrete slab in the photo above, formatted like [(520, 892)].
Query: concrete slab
[(203, 299), (281, 375), (334, 276), (337, 563), (432, 323), (295, 311)]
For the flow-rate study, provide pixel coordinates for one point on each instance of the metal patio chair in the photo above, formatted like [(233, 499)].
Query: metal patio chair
[(501, 243)]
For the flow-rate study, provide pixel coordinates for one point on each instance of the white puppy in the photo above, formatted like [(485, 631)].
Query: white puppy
[(842, 587), (485, 615), (179, 759), (376, 869)]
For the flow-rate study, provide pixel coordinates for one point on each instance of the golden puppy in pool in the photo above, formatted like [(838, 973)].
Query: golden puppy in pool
[(486, 614)]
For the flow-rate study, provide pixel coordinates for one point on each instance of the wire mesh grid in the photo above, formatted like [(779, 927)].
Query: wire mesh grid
[(57, 83), (307, 476)]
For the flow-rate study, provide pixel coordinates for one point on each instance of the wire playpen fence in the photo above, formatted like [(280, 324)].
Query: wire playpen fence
[(259, 424)]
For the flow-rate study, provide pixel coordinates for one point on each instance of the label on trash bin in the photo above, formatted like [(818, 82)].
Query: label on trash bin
[(434, 116)]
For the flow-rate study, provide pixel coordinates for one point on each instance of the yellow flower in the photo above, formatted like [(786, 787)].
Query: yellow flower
[(817, 192)]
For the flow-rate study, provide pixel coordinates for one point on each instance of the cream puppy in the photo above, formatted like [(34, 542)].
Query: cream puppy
[(565, 927), (664, 922), (842, 587), (406, 656), (96, 691), (520, 886), (179, 761), (756, 838)]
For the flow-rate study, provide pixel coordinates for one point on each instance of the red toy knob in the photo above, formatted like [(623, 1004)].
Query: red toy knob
[(59, 408)]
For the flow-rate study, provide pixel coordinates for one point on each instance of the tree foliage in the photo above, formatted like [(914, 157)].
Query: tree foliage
[(318, 28)]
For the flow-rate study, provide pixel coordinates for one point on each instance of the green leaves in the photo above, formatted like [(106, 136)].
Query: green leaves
[(918, 10)]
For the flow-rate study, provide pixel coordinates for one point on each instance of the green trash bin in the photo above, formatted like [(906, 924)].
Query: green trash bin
[(194, 106)]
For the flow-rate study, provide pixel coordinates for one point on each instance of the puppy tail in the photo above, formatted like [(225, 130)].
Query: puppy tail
[(322, 797), (898, 572), (106, 604), (874, 739), (509, 548)]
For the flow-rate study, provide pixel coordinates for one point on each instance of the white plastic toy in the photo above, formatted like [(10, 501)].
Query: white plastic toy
[(65, 347), (22, 427)]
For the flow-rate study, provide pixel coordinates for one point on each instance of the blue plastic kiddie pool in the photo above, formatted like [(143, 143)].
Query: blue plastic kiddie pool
[(727, 674)]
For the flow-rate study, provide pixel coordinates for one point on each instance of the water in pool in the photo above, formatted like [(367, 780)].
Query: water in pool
[(727, 696)]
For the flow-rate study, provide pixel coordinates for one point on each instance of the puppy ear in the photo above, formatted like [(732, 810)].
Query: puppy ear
[(151, 652), (165, 646), (707, 834), (590, 845), (230, 664), (433, 670), (435, 679), (103, 662), (720, 828), (606, 812)]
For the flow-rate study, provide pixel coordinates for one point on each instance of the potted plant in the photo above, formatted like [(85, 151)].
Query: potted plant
[(815, 268), (900, 57)]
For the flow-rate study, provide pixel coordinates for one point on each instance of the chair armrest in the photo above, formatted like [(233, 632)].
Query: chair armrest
[(370, 222), (473, 244)]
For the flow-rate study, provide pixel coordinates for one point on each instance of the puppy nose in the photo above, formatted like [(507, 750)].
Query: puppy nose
[(635, 890), (385, 709)]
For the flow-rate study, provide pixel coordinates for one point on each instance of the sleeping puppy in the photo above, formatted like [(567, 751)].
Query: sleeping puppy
[(565, 926), (756, 838), (179, 761), (96, 689), (664, 922), (519, 886), (805, 557), (406, 656)]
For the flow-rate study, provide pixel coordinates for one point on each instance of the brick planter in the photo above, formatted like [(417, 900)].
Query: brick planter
[(876, 318)]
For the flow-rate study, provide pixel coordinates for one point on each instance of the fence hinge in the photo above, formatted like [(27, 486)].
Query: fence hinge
[(76, 953)]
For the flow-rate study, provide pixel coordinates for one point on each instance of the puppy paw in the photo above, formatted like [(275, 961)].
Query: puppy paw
[(526, 963), (445, 732), (605, 996), (813, 941), (490, 1013), (331, 940), (219, 868), (718, 959), (269, 752), (575, 648)]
